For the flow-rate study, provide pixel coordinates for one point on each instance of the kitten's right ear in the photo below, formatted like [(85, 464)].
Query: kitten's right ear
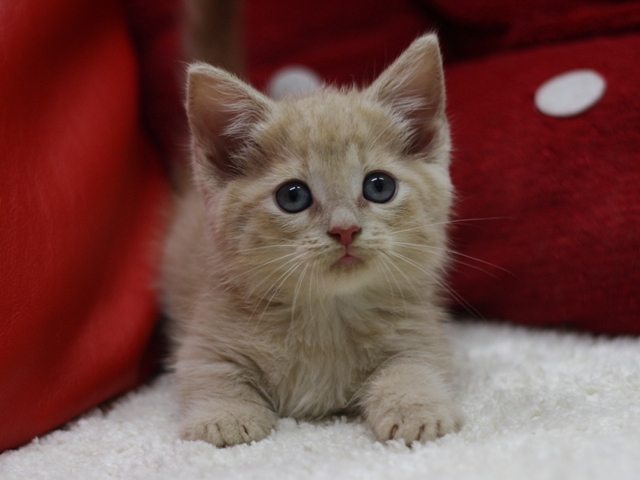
[(222, 112), (413, 87)]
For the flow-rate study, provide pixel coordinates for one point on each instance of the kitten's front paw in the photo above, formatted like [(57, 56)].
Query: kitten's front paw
[(421, 422), (229, 424)]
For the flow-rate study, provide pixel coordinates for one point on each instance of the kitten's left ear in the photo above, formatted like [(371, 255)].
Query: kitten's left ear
[(413, 87), (223, 112)]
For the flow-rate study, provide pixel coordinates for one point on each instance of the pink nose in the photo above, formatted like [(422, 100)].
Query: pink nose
[(344, 235)]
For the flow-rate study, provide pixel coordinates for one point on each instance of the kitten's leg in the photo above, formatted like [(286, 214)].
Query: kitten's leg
[(410, 400), (222, 406)]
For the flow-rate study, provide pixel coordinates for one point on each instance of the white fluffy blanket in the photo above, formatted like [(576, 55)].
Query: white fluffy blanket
[(538, 405)]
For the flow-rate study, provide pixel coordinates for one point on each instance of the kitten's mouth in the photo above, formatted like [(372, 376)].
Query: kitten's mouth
[(348, 259)]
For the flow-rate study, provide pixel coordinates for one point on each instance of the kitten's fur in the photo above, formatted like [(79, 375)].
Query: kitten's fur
[(267, 321)]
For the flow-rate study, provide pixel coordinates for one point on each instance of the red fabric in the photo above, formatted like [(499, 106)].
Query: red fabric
[(344, 41), (155, 28), (566, 190), (81, 192), (473, 28)]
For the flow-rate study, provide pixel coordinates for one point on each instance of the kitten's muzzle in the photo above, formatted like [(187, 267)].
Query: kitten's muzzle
[(346, 236)]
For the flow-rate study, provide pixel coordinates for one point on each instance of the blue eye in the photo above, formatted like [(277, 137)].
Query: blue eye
[(294, 197), (378, 187)]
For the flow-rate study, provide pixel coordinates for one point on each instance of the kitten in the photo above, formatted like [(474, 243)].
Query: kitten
[(303, 270)]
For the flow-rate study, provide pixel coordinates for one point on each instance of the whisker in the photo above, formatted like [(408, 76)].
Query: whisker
[(453, 252), (241, 274), (290, 271), (311, 278), (324, 288), (449, 222), (391, 286), (461, 262), (264, 247), (404, 301), (297, 290), (254, 288), (479, 219), (451, 291), (409, 282), (413, 228), (273, 284)]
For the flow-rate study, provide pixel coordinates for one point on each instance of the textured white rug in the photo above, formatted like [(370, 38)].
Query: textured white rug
[(539, 405)]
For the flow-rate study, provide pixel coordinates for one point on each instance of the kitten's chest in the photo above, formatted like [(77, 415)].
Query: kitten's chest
[(323, 359)]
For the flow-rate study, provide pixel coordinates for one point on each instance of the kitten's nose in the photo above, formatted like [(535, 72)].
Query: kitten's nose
[(344, 235)]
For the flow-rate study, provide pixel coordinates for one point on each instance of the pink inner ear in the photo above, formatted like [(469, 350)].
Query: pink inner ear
[(425, 86), (413, 86), (222, 111), (422, 138), (217, 148)]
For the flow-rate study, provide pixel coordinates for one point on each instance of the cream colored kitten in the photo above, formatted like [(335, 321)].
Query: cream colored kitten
[(303, 269)]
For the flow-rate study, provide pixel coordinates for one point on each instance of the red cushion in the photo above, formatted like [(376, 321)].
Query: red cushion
[(473, 27), (567, 190), (81, 194), (155, 29), (344, 41)]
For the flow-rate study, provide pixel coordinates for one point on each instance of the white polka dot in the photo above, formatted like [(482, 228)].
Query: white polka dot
[(293, 81), (570, 93)]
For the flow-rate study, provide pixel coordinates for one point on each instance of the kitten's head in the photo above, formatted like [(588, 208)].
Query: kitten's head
[(332, 192)]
